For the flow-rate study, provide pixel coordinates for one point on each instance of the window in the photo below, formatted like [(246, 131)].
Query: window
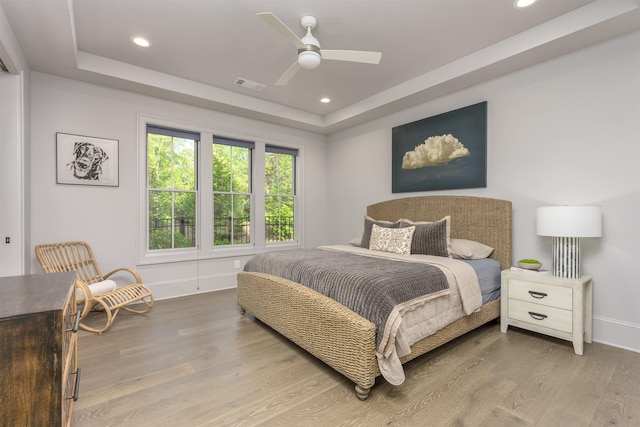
[(279, 188), (171, 188), (231, 177), (207, 195)]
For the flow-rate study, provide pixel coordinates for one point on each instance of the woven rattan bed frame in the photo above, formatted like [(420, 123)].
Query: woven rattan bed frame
[(343, 339)]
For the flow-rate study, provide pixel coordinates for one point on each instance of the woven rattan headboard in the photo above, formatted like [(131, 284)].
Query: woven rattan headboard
[(481, 219)]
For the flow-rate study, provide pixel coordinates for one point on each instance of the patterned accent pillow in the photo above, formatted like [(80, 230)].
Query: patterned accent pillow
[(394, 240), (431, 238), (368, 223)]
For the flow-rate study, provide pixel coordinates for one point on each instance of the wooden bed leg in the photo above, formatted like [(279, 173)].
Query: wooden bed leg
[(242, 311), (362, 392)]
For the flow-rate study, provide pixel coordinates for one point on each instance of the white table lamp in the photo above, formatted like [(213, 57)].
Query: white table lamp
[(566, 224)]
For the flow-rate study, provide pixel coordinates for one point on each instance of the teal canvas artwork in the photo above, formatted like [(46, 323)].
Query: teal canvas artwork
[(443, 152)]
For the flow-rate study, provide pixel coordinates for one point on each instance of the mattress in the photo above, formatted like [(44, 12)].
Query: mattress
[(488, 272)]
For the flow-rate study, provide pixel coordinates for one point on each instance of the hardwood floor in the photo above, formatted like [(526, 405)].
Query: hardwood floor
[(195, 361)]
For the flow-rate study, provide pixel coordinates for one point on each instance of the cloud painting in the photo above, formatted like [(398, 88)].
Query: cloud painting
[(443, 152), (435, 150)]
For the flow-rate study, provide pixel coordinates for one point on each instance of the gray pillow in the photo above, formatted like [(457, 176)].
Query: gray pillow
[(430, 238)]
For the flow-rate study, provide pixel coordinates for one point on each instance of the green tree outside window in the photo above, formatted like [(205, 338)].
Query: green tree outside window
[(171, 189), (279, 196), (231, 193)]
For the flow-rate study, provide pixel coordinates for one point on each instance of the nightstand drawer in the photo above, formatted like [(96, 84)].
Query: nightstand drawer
[(548, 317), (540, 293)]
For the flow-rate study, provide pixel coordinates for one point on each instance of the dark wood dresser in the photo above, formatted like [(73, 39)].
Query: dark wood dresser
[(39, 377)]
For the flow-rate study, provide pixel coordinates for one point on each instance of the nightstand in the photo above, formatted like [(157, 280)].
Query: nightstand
[(547, 304)]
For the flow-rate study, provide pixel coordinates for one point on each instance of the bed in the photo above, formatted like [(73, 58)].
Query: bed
[(342, 338)]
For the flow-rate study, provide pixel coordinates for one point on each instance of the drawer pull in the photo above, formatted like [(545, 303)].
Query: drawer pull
[(537, 316), (537, 295), (76, 323), (76, 387)]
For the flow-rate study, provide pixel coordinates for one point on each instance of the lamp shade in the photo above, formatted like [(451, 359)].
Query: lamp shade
[(569, 221)]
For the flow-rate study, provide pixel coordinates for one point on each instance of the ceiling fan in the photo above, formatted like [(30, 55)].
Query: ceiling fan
[(309, 53)]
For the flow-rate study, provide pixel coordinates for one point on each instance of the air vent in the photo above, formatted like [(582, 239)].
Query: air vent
[(249, 84)]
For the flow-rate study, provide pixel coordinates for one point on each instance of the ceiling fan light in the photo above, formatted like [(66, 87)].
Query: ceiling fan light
[(309, 59)]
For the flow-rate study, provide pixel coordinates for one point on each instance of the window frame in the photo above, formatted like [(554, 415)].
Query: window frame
[(205, 248), (174, 133), (250, 145), (295, 153)]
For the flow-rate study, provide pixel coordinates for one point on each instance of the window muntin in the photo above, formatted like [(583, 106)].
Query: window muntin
[(202, 197), (280, 193), (231, 178), (171, 188)]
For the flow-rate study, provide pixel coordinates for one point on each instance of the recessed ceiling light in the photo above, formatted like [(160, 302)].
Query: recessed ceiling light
[(520, 4), (325, 100), (141, 41)]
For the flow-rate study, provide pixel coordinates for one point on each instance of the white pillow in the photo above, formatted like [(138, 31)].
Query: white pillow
[(368, 222), (469, 249), (96, 288), (356, 241), (394, 240)]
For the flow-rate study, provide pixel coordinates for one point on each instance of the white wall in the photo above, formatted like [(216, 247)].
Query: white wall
[(107, 217), (11, 175), (563, 132), (14, 154)]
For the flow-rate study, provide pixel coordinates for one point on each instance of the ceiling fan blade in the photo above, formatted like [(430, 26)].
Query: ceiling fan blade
[(352, 56), (277, 24), (288, 75)]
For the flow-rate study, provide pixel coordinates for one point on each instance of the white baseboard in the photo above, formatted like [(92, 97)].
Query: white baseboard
[(616, 333), (192, 286)]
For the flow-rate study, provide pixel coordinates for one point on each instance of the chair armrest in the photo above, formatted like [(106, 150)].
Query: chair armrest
[(133, 272), (88, 297)]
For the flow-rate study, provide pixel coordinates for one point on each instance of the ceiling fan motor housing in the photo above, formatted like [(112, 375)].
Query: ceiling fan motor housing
[(309, 58)]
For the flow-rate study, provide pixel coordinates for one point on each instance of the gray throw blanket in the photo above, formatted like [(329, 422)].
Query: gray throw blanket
[(370, 286)]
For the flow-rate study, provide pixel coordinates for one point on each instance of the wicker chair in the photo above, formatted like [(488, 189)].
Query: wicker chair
[(78, 257)]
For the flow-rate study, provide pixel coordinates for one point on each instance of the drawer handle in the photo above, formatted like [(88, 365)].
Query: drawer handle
[(76, 387), (538, 295), (537, 316), (76, 323)]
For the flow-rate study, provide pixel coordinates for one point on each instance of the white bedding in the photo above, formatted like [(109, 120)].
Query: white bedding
[(412, 321)]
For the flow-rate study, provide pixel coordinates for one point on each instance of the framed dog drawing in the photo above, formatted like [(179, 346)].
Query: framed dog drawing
[(86, 160)]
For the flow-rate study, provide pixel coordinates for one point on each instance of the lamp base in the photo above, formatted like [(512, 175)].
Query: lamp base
[(566, 257)]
